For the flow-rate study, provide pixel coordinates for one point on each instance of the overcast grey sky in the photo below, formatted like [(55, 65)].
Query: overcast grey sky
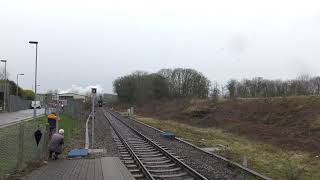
[(83, 43)]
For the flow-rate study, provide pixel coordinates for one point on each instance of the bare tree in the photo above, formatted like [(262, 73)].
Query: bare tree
[(231, 86), (215, 91), (259, 87)]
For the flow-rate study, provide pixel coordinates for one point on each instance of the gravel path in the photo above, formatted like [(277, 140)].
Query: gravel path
[(207, 165)]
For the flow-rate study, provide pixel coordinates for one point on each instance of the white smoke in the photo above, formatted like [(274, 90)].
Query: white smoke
[(82, 90)]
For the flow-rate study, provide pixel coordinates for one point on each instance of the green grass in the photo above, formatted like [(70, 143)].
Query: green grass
[(264, 158), (70, 125)]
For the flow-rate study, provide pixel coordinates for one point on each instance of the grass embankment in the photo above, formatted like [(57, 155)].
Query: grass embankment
[(265, 158), (72, 132), (71, 127)]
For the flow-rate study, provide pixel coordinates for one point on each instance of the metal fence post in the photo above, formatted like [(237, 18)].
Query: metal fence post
[(45, 142), (20, 146)]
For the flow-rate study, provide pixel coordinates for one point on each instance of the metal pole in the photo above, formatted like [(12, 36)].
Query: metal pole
[(5, 86), (35, 86), (17, 85), (57, 113), (93, 118)]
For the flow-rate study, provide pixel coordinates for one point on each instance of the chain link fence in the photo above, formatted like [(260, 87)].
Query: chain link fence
[(15, 103), (77, 109), (18, 146)]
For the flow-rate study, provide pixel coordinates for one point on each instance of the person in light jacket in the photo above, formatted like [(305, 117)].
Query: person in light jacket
[(55, 145)]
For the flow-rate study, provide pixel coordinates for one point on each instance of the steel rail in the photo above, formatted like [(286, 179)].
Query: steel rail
[(144, 170), (232, 163), (185, 167)]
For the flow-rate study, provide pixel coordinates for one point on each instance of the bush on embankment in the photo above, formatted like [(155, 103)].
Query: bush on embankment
[(292, 122)]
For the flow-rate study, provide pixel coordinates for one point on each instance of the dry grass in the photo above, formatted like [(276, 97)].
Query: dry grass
[(264, 158)]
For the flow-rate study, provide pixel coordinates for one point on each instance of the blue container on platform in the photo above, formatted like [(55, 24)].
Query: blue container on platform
[(78, 153), (169, 135)]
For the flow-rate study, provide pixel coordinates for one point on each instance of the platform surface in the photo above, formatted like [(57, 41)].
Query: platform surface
[(106, 168), (114, 169)]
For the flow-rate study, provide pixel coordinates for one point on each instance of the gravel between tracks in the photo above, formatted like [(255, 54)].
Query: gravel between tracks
[(207, 165), (103, 137)]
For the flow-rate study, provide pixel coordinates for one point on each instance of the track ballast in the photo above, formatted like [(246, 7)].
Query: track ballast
[(145, 158)]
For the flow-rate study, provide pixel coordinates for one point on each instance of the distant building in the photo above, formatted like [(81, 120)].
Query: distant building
[(41, 97), (65, 97), (73, 96)]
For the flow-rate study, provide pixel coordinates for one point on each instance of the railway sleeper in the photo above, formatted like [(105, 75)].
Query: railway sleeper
[(161, 166), (127, 158), (138, 145), (150, 155), (137, 176), (146, 153), (165, 170), (147, 150), (153, 158), (137, 142), (129, 162), (170, 175), (142, 145), (131, 166), (134, 170), (143, 148), (156, 162)]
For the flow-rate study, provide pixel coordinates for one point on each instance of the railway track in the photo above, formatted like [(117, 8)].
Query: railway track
[(145, 158)]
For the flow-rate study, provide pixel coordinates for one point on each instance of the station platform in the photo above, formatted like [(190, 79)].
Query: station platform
[(105, 168)]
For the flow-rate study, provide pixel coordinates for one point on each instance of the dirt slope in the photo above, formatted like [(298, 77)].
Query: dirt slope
[(292, 123)]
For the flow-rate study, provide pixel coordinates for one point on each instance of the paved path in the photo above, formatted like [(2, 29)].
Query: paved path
[(107, 168), (7, 118)]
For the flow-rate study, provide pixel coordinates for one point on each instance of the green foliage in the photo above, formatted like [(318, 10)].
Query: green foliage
[(167, 83), (23, 93), (28, 94), (140, 86)]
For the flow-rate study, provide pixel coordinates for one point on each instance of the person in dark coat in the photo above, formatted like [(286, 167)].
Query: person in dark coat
[(55, 145)]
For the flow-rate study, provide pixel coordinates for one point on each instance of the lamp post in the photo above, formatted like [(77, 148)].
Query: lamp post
[(5, 85), (18, 83), (35, 79)]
